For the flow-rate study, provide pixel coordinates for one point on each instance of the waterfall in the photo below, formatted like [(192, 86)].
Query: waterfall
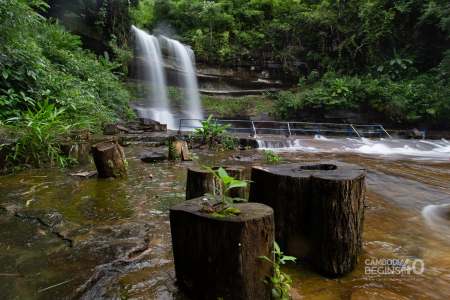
[(185, 60), (157, 107), (157, 103)]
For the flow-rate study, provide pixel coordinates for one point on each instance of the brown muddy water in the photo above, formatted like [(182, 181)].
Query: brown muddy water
[(63, 237)]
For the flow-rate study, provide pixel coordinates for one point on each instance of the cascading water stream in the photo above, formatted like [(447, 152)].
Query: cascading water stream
[(438, 150), (185, 61), (157, 106)]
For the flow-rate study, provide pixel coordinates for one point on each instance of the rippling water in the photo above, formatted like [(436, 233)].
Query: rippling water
[(385, 148), (120, 232)]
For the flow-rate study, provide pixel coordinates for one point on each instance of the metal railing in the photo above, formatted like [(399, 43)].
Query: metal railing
[(288, 129)]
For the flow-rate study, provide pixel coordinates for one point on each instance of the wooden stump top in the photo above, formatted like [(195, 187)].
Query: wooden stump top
[(325, 170), (227, 168), (249, 211)]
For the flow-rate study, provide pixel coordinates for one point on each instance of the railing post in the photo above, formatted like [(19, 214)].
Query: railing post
[(382, 127), (354, 129), (179, 126), (289, 128)]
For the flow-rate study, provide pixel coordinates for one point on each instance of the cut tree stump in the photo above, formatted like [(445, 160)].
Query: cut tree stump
[(200, 182), (109, 159), (319, 211), (178, 149), (218, 257)]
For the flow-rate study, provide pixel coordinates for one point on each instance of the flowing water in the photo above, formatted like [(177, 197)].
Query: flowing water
[(385, 148), (158, 105), (65, 237), (185, 61)]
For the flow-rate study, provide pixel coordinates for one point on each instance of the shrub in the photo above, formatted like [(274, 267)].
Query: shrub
[(46, 77), (40, 133), (422, 98), (271, 157), (214, 134)]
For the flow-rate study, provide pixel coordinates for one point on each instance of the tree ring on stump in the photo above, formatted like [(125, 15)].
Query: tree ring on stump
[(322, 167)]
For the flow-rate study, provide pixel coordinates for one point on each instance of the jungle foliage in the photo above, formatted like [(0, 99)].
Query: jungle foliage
[(344, 35), (49, 84), (387, 56)]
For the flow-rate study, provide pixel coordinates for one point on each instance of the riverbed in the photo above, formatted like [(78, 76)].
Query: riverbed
[(65, 237)]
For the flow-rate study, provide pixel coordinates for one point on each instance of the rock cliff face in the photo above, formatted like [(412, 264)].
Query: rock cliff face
[(215, 80)]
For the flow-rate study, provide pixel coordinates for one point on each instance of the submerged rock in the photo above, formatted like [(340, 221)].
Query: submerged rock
[(153, 156)]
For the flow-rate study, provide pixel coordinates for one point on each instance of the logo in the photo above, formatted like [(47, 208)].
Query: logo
[(393, 267)]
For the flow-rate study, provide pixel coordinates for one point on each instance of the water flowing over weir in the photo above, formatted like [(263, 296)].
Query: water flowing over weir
[(157, 106), (438, 150)]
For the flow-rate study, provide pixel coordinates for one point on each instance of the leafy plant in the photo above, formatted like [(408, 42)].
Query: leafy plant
[(212, 133), (280, 282), (40, 134), (223, 184), (271, 157)]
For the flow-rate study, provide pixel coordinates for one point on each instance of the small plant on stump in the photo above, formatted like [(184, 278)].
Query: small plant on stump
[(224, 204), (280, 282), (271, 157)]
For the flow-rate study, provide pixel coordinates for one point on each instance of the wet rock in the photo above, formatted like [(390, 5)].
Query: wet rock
[(248, 143), (151, 157), (9, 208), (85, 174)]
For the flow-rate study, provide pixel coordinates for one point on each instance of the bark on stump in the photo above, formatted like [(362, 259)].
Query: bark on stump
[(109, 159), (178, 149), (218, 257), (319, 211), (200, 182)]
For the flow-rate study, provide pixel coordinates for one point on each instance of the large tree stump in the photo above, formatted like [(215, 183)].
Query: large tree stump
[(319, 211), (218, 257), (200, 182), (109, 159), (178, 149)]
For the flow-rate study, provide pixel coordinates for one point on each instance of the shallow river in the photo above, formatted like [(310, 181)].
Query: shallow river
[(62, 237)]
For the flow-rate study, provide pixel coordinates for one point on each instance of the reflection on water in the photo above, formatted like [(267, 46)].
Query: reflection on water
[(121, 235)]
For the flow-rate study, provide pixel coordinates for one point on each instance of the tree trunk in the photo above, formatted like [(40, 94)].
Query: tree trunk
[(199, 182), (218, 257), (319, 211), (109, 159)]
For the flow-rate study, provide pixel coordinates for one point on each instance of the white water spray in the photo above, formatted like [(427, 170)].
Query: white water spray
[(438, 150), (157, 107), (185, 61)]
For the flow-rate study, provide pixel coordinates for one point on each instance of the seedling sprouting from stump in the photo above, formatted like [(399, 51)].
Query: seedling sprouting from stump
[(280, 282), (223, 183)]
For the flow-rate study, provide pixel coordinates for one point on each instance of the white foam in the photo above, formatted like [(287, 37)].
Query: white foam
[(423, 149)]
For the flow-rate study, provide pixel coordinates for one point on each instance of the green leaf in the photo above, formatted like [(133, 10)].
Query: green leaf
[(237, 184), (222, 173)]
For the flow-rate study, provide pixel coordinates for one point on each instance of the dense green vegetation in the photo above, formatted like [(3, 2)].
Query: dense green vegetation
[(423, 98), (389, 57), (50, 85), (349, 35)]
